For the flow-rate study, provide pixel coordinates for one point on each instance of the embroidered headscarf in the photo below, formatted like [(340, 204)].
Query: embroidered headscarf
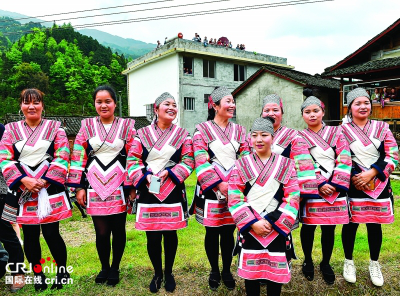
[(273, 98), (217, 95), (263, 125), (356, 93), (312, 101), (162, 98)]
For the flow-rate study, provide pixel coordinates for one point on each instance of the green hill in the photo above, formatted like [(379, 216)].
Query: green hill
[(66, 65), (129, 47)]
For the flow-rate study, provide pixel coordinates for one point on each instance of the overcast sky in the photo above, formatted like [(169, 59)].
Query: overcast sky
[(311, 36)]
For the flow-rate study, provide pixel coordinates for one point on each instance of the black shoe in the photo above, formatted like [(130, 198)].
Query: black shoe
[(101, 278), (214, 280), (40, 282), (228, 280), (327, 273), (113, 277), (170, 283), (61, 278), (155, 283), (308, 270)]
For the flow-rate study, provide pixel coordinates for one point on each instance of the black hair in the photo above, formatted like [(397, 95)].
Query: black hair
[(107, 88), (31, 94), (211, 111), (270, 119)]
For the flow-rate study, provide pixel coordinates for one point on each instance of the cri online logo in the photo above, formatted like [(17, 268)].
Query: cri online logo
[(38, 268)]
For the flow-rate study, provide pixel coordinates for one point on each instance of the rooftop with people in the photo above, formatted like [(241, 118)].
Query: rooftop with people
[(185, 45)]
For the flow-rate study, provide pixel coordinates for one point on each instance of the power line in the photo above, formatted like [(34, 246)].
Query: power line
[(124, 12), (188, 14), (95, 9)]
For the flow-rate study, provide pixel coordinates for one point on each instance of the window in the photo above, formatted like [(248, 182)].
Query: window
[(206, 98), (187, 66), (189, 104), (150, 111), (208, 69), (238, 72)]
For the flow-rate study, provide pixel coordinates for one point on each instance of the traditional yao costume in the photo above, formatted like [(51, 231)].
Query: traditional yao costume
[(331, 154), (98, 164), (268, 191), (153, 151), (216, 151), (371, 147), (39, 153)]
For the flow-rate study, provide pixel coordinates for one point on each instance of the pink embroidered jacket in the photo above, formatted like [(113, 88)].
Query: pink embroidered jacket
[(250, 170), (152, 138), (49, 137), (206, 133)]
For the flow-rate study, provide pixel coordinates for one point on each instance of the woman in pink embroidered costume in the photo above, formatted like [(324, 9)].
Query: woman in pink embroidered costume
[(162, 154), (375, 154), (331, 154), (263, 198), (217, 143), (98, 172), (34, 161)]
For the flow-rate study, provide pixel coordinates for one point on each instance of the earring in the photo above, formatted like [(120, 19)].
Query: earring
[(21, 115), (44, 113)]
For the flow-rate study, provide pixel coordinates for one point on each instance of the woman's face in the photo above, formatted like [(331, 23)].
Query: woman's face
[(313, 115), (167, 111), (32, 109), (261, 142), (226, 107), (105, 105), (273, 110), (361, 108)]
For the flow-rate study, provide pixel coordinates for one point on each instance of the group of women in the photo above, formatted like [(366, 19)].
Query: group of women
[(261, 183)]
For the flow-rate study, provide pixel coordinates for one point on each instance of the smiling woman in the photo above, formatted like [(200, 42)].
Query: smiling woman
[(97, 172)]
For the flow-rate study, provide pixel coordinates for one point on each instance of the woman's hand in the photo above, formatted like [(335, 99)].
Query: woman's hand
[(33, 185), (262, 227), (148, 178), (361, 180), (81, 197), (163, 175), (132, 195), (223, 188), (327, 189)]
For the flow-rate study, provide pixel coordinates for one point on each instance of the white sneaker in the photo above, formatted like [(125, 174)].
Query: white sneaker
[(349, 271), (375, 273)]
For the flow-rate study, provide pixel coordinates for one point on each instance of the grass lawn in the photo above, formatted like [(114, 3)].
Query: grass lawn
[(191, 266)]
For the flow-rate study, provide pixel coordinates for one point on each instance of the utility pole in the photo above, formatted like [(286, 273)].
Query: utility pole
[(120, 104)]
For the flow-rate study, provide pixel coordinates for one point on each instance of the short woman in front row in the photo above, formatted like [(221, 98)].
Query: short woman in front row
[(34, 161), (98, 170), (263, 198), (217, 144), (162, 150), (375, 154), (331, 154)]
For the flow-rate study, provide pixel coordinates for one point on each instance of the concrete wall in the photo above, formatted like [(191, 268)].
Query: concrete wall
[(249, 100), (197, 86), (147, 83)]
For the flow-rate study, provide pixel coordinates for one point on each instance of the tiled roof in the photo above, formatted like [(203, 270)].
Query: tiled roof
[(293, 76), (365, 67), (72, 124), (369, 43)]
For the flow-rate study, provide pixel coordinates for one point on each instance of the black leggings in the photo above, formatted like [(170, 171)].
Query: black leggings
[(253, 288), (212, 242), (104, 226), (55, 242), (154, 249), (327, 241), (374, 239)]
